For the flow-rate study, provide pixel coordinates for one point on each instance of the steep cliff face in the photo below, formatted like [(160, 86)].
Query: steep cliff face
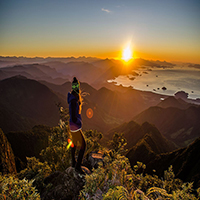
[(28, 143), (7, 159)]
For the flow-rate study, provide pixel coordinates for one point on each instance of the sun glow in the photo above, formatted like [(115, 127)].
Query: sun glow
[(127, 53)]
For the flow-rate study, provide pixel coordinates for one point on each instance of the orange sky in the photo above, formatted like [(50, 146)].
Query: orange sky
[(164, 30)]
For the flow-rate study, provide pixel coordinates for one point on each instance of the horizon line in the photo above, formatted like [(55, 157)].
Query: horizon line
[(111, 58)]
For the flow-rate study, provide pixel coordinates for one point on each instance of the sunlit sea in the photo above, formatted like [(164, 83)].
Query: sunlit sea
[(154, 79)]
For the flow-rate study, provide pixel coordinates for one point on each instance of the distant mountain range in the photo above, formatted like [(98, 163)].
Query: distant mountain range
[(27, 60), (122, 103), (94, 73), (92, 70), (25, 103), (34, 71), (174, 102)]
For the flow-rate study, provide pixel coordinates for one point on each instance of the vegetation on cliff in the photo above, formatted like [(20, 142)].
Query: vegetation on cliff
[(113, 178)]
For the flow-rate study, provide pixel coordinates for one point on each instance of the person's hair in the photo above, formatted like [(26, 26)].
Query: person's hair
[(76, 91)]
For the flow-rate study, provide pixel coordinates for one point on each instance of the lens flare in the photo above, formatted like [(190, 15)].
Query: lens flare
[(70, 144), (89, 113)]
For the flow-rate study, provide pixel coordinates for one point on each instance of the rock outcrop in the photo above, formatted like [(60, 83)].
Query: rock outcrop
[(67, 185), (63, 185), (7, 158)]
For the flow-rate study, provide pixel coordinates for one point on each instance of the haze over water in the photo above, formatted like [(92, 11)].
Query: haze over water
[(154, 79)]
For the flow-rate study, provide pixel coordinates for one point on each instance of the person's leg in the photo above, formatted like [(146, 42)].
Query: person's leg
[(73, 151), (81, 154), (83, 143)]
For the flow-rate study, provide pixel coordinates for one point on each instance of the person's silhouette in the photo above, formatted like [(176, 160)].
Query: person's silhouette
[(75, 124)]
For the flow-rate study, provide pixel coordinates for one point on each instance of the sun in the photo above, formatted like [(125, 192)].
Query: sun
[(127, 53)]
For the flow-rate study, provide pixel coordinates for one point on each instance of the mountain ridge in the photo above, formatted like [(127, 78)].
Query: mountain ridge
[(179, 125), (133, 132), (27, 102), (185, 162)]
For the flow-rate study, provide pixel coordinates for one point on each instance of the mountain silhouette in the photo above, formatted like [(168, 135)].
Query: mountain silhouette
[(185, 162), (133, 132), (152, 142), (178, 125), (58, 65), (111, 107), (105, 64), (123, 104), (4, 63), (10, 73), (173, 102), (84, 71), (100, 121), (99, 71), (25, 103), (119, 102), (142, 62), (66, 87), (163, 64), (33, 71)]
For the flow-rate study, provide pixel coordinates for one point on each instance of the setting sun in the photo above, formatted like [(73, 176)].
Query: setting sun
[(127, 53)]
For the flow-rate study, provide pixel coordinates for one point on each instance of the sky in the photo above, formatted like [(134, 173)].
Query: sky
[(156, 29)]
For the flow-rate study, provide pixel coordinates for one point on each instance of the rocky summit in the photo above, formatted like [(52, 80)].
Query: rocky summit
[(63, 185)]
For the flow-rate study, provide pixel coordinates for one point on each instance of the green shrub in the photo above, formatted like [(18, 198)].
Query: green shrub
[(56, 156), (57, 153), (119, 192), (171, 183), (115, 172), (92, 138), (116, 180), (156, 193), (118, 143), (185, 192), (14, 188), (36, 171)]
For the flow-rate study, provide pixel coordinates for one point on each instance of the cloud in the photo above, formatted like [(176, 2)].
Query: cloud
[(106, 10)]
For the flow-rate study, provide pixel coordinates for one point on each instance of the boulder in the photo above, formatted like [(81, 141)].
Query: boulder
[(67, 185), (64, 185), (95, 158)]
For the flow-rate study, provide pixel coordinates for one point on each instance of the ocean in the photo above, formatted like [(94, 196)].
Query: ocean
[(163, 80)]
